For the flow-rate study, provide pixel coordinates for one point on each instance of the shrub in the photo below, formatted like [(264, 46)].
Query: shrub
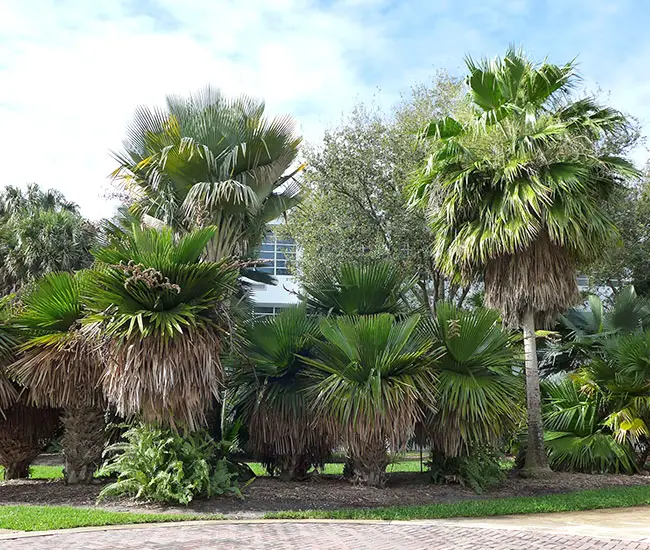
[(158, 464), (479, 470)]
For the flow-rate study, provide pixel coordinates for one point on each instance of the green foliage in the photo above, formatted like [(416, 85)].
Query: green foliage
[(628, 260), (576, 437), (479, 395), (356, 208), (155, 285), (160, 465), (359, 289), (40, 232), (480, 469), (209, 160)]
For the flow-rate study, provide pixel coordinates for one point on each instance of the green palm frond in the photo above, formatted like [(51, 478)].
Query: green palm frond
[(58, 363), (360, 289), (480, 394), (375, 378), (210, 160), (158, 303)]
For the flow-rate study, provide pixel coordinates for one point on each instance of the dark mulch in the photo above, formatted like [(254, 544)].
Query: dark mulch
[(328, 492)]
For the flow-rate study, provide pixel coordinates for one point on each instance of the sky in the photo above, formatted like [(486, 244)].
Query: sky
[(73, 71)]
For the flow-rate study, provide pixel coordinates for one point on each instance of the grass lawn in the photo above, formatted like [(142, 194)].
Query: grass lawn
[(591, 499), (334, 468), (38, 518), (43, 518)]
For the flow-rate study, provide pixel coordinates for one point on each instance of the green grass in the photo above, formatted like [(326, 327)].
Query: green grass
[(43, 518), (591, 499), (40, 472), (333, 468), (336, 468)]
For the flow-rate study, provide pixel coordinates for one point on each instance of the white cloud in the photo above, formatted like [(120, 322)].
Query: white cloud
[(72, 71)]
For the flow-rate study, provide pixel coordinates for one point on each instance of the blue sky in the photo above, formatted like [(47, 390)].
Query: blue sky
[(72, 71)]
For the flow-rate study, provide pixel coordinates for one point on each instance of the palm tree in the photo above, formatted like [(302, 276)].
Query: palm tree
[(479, 395), (586, 332), (40, 232), (158, 306), (208, 160), (359, 289), (517, 188), (271, 385), (62, 369), (8, 343), (598, 418), (374, 383)]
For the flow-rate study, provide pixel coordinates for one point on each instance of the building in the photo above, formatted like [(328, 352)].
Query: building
[(278, 253)]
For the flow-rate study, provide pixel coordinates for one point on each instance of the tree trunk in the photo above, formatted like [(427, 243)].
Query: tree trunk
[(17, 470), (536, 462), (83, 443), (370, 464)]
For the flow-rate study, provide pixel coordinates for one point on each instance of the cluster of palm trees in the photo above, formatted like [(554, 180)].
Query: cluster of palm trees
[(356, 366), (155, 327)]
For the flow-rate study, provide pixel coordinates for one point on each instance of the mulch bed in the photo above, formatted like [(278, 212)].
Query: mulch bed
[(327, 492)]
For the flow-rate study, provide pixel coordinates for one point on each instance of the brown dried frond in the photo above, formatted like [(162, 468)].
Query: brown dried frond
[(61, 376), (8, 392), (541, 278), (165, 380), (25, 431), (287, 433)]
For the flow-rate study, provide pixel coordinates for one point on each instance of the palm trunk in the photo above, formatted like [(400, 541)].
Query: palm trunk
[(83, 443), (536, 461), (17, 470), (371, 463)]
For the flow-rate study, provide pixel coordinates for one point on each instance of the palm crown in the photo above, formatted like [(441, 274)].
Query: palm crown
[(516, 186), (158, 303), (209, 160), (58, 364)]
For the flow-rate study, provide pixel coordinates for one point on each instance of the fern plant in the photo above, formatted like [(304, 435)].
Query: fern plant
[(157, 464)]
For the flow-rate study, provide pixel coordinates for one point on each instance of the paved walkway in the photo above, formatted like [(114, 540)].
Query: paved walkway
[(623, 529)]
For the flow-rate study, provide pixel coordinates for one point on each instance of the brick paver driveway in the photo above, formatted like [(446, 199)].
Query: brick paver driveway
[(322, 536)]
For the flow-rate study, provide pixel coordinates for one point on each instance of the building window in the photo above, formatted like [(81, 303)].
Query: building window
[(277, 254)]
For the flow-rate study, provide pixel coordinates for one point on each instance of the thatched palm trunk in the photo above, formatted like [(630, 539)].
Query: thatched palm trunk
[(536, 460), (370, 463), (24, 432), (83, 442)]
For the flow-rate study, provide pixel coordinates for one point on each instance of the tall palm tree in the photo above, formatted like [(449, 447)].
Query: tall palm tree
[(62, 369), (479, 394), (374, 383), (209, 160), (360, 289), (157, 303), (271, 393), (517, 187)]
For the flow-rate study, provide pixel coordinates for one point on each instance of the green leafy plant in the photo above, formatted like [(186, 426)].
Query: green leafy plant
[(479, 394), (480, 469), (374, 381), (270, 393), (158, 464)]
